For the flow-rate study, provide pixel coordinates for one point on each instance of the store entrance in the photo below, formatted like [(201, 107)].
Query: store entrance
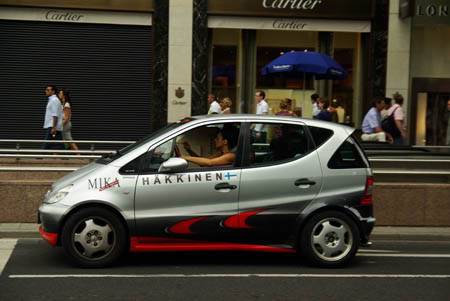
[(431, 109), (438, 119)]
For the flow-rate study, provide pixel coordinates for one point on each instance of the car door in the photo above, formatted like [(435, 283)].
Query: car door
[(281, 176), (190, 205)]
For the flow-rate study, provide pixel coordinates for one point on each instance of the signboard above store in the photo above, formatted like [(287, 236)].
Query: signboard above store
[(290, 24), (426, 11), (323, 9), (125, 5), (75, 16), (431, 12)]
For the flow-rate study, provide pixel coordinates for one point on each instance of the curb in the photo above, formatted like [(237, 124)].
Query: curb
[(407, 233)]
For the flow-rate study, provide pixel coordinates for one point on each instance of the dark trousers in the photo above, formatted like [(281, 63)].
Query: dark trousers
[(49, 136), (399, 141)]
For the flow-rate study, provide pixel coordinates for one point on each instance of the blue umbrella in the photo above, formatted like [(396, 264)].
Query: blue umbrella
[(306, 62)]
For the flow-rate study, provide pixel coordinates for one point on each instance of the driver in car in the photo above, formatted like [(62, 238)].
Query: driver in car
[(225, 143)]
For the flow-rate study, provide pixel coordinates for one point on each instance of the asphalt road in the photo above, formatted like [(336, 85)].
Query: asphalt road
[(412, 269)]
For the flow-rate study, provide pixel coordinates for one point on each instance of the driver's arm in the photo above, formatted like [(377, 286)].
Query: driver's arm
[(189, 150), (225, 159)]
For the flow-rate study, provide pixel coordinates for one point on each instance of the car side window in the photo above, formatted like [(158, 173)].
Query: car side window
[(272, 143), (210, 146), (152, 160), (347, 156), (149, 162), (320, 135), (199, 146)]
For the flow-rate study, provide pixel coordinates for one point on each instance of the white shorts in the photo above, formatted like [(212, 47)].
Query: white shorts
[(380, 136)]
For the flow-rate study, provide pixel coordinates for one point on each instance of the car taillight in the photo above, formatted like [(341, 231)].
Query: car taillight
[(367, 198)]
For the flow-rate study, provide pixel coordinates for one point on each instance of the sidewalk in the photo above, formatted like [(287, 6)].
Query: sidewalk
[(26, 230)]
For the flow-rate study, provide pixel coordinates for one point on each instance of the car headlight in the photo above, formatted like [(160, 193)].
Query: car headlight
[(58, 196)]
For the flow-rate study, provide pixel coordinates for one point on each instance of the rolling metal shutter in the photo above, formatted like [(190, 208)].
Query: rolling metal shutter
[(106, 68)]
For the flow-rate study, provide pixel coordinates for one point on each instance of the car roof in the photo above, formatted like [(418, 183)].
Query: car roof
[(244, 117)]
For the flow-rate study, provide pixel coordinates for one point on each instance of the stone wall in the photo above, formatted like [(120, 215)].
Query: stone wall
[(403, 204), (398, 204)]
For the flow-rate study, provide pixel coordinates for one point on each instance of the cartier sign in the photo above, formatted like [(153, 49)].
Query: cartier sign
[(328, 9), (54, 15), (291, 4)]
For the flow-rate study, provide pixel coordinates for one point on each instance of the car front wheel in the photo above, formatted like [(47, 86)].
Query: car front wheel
[(329, 239), (94, 237)]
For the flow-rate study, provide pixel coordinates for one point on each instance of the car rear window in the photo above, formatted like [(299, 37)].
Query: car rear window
[(320, 135), (348, 155)]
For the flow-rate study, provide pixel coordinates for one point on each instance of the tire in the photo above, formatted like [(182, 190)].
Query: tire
[(329, 239), (94, 238)]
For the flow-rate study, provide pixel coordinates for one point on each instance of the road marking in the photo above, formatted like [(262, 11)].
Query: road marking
[(27, 276), (406, 255), (443, 242), (376, 251), (6, 249)]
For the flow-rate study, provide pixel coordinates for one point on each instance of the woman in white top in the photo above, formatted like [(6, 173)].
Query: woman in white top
[(64, 96), (225, 105)]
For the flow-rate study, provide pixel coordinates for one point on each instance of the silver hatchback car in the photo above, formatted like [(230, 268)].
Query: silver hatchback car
[(215, 183)]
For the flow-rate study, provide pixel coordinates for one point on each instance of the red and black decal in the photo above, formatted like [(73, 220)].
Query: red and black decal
[(239, 221), (155, 244), (183, 227)]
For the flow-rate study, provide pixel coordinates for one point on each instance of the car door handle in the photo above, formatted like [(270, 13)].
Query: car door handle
[(221, 186), (304, 182)]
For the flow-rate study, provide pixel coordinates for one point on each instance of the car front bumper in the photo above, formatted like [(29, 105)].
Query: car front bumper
[(49, 218)]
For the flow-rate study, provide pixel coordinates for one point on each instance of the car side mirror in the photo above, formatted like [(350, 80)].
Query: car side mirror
[(173, 165)]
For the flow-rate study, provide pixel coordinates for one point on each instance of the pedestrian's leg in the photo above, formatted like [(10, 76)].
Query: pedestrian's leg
[(59, 137), (398, 140), (48, 136)]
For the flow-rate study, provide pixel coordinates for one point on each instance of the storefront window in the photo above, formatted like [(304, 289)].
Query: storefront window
[(343, 89), (224, 72), (265, 55)]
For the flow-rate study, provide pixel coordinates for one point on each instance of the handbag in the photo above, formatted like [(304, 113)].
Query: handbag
[(388, 125)]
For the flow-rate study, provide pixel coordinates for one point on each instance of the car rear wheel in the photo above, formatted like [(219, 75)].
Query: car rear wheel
[(94, 237), (329, 239)]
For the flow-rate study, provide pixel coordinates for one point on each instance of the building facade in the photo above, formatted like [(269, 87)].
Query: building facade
[(133, 66), (419, 66), (101, 51)]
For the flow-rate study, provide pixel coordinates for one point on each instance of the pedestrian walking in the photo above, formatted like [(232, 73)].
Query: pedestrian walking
[(262, 108), (289, 102), (315, 103), (298, 111), (53, 121), (324, 113), (387, 105), (66, 100), (340, 111), (395, 118), (225, 105), (332, 108), (214, 106), (284, 108)]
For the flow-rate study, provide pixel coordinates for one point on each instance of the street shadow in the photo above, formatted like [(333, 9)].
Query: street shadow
[(35, 256)]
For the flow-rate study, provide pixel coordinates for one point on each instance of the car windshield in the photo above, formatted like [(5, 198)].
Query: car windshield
[(119, 153)]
